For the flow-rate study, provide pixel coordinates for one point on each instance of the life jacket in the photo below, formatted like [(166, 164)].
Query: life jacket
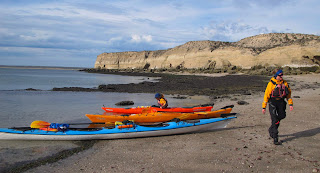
[(165, 105), (280, 90)]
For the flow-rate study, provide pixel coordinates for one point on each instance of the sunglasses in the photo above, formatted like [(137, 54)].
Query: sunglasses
[(280, 75)]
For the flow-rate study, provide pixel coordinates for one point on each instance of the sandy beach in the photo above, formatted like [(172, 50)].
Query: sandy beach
[(244, 146)]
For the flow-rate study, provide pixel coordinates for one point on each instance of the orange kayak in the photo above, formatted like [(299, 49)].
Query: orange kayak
[(139, 110), (151, 117)]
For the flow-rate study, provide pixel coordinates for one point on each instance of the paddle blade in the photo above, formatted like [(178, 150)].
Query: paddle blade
[(39, 124)]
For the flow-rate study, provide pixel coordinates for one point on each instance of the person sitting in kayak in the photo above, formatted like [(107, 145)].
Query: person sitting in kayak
[(162, 102)]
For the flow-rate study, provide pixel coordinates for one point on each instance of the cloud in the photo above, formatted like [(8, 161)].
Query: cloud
[(36, 35), (133, 43), (231, 31), (143, 38), (84, 29), (261, 3)]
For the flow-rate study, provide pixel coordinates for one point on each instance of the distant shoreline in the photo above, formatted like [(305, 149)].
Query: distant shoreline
[(42, 67)]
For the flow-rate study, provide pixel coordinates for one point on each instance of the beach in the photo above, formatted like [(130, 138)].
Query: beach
[(243, 146)]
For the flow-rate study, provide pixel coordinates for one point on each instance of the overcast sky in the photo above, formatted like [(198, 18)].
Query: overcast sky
[(72, 33)]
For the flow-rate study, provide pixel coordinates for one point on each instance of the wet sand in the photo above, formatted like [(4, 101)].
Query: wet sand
[(244, 146)]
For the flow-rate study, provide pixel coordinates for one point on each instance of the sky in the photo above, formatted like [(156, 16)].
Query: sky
[(71, 33)]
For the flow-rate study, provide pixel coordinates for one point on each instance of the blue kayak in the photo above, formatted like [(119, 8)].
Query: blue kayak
[(118, 132)]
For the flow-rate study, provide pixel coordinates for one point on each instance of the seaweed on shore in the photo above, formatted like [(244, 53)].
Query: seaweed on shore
[(27, 165)]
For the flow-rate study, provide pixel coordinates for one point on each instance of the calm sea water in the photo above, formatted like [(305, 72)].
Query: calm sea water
[(19, 107), (46, 79)]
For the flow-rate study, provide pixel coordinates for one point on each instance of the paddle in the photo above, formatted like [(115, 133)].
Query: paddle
[(43, 124), (39, 124)]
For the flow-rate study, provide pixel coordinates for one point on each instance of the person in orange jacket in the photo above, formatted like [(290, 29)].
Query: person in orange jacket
[(162, 102), (276, 92)]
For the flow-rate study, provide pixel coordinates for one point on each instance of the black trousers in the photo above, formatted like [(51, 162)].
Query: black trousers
[(277, 109)]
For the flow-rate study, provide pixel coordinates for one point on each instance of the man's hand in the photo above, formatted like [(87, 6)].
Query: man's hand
[(291, 108), (263, 111)]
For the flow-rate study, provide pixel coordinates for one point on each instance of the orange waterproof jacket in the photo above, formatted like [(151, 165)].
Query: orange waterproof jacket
[(271, 87)]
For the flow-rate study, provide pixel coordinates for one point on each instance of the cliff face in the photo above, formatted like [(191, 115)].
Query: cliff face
[(277, 49)]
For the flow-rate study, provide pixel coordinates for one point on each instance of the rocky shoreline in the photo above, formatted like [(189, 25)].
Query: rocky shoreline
[(184, 85), (254, 70)]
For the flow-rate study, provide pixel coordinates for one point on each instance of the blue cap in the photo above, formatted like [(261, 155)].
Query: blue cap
[(158, 95), (278, 72)]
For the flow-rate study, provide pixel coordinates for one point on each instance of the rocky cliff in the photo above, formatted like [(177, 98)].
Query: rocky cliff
[(275, 49)]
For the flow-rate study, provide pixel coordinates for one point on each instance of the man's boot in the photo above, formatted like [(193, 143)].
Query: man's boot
[(276, 141)]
